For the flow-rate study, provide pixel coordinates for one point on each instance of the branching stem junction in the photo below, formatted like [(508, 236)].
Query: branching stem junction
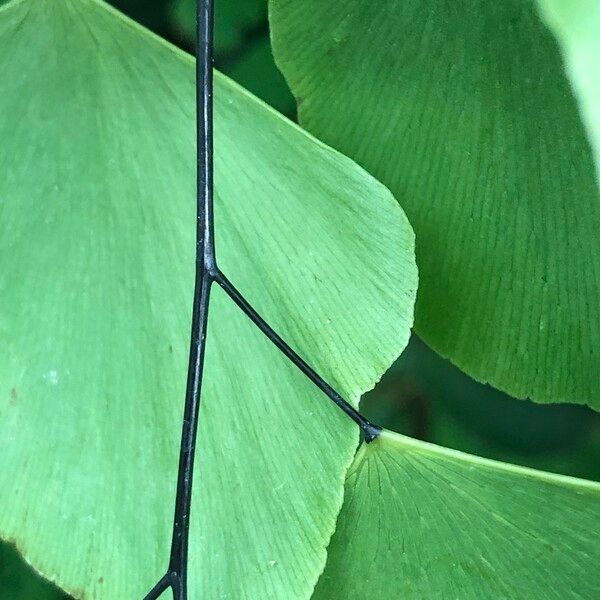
[(207, 273)]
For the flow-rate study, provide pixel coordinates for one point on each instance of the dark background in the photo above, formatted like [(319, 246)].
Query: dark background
[(422, 395)]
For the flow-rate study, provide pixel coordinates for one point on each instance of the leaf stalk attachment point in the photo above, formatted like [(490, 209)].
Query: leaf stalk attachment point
[(370, 431)]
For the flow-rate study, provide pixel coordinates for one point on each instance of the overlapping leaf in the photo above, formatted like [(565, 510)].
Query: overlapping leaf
[(463, 110), (97, 180), (420, 521), (96, 196)]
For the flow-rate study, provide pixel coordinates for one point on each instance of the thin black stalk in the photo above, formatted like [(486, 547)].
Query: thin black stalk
[(370, 431), (176, 577), (205, 268), (207, 272)]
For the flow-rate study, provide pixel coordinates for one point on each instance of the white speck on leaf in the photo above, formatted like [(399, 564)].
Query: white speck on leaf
[(52, 377)]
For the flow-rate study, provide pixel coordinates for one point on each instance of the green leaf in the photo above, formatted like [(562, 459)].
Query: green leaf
[(97, 122), (576, 24), (463, 110), (436, 523)]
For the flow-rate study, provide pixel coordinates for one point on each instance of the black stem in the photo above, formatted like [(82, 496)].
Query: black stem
[(207, 272), (205, 269), (162, 585), (176, 576)]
